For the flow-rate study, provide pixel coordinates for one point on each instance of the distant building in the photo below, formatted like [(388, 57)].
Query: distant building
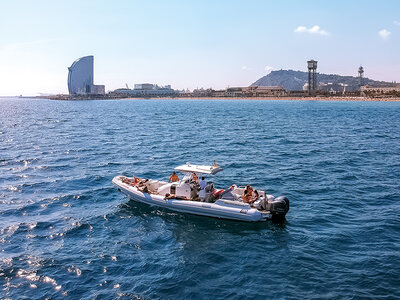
[(264, 91), (219, 93), (201, 92), (368, 90), (234, 91), (146, 86), (251, 91), (333, 87), (147, 90), (80, 78)]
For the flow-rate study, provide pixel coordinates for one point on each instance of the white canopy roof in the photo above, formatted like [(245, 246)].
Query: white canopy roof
[(199, 169)]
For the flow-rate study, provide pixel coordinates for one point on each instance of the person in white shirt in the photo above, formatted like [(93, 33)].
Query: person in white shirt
[(203, 183)]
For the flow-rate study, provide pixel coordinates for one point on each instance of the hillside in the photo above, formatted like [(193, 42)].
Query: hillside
[(294, 80)]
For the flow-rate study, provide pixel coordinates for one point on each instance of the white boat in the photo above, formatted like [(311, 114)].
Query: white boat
[(186, 196)]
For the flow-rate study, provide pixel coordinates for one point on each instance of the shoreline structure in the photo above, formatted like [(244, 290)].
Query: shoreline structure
[(268, 87), (277, 85), (329, 98)]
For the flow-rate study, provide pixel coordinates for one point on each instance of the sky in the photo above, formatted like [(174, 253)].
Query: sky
[(192, 44)]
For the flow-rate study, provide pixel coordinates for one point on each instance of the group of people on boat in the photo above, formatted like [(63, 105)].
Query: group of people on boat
[(139, 183), (175, 178), (131, 181), (250, 195)]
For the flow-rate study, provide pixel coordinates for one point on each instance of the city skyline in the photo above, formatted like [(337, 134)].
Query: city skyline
[(190, 45)]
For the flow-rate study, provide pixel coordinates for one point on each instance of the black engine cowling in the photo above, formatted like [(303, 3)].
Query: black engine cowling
[(278, 207)]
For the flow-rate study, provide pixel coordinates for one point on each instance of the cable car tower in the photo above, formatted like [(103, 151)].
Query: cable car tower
[(361, 75), (312, 76)]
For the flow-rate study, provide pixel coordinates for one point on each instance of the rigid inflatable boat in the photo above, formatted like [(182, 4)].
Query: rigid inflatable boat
[(187, 196)]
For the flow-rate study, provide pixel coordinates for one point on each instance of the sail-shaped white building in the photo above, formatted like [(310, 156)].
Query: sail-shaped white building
[(80, 77)]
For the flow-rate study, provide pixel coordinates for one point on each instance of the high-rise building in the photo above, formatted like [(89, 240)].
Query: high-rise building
[(80, 77)]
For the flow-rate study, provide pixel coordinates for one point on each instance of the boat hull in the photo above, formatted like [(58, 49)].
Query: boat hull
[(221, 209)]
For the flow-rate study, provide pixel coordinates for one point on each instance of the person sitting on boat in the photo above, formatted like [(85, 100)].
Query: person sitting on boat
[(203, 183), (173, 196), (144, 189), (249, 190), (141, 182), (250, 198), (246, 197), (174, 177), (194, 176), (255, 196), (133, 182), (142, 186)]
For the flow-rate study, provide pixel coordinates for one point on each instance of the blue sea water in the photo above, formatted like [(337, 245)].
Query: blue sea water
[(67, 233)]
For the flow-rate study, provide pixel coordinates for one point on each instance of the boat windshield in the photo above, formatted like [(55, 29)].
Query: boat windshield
[(187, 177)]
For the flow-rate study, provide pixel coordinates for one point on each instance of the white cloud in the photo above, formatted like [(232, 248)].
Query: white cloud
[(268, 69), (301, 29), (245, 68), (312, 30), (396, 23), (384, 34)]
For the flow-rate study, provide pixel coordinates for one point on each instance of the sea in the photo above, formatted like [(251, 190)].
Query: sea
[(67, 233)]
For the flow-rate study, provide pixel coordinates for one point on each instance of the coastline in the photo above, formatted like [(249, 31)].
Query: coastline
[(285, 98), (361, 99)]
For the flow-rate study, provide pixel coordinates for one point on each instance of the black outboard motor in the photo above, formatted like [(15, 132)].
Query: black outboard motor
[(278, 207)]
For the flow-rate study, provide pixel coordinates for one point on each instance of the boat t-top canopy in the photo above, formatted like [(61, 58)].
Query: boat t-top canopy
[(199, 169)]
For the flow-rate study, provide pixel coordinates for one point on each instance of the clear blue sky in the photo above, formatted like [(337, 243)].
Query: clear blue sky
[(191, 44)]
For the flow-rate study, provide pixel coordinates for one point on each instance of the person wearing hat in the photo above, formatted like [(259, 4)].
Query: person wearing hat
[(173, 177)]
